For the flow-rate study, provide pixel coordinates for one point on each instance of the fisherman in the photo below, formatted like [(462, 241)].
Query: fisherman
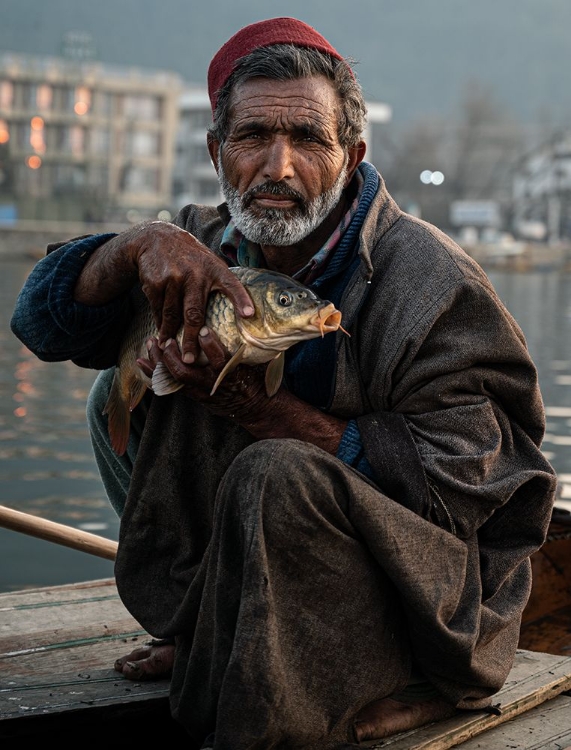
[(350, 557)]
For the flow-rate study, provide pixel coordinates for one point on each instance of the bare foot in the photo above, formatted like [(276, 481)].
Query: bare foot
[(151, 662), (386, 716)]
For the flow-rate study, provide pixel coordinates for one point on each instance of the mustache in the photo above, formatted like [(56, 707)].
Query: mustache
[(271, 188)]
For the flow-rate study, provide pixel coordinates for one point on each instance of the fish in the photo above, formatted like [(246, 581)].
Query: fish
[(286, 312)]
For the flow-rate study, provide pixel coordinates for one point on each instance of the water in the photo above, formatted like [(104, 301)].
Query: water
[(47, 466), (46, 462)]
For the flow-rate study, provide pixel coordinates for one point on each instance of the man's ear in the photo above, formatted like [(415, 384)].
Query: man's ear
[(356, 154), (213, 149)]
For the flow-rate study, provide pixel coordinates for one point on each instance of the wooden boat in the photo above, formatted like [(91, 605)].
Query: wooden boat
[(58, 645)]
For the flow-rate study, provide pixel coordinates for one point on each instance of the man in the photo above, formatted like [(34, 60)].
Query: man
[(349, 558)]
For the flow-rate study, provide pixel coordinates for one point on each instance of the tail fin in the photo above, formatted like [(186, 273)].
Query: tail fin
[(118, 410)]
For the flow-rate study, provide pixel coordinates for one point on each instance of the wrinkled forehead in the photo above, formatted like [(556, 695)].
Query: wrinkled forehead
[(310, 99)]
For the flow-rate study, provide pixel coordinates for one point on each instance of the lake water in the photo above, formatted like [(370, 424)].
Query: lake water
[(47, 466)]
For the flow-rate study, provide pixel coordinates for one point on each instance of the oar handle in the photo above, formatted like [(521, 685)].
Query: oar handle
[(57, 532)]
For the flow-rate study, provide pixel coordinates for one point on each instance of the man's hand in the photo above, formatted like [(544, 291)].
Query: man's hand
[(241, 396), (177, 273)]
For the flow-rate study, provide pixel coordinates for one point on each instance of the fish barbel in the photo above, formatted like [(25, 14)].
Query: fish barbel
[(286, 312)]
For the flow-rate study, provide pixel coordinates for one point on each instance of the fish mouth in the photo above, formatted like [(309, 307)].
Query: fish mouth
[(327, 319)]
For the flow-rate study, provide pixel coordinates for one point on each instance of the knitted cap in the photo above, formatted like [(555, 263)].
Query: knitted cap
[(261, 34)]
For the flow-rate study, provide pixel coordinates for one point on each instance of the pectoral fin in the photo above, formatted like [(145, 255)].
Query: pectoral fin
[(231, 365), (163, 381), (274, 374)]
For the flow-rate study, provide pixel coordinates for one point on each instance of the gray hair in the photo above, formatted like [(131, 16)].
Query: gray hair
[(286, 62)]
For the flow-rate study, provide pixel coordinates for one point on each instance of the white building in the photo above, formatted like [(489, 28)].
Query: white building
[(82, 140), (542, 192)]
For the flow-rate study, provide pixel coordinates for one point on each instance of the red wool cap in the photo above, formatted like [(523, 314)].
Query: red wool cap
[(261, 34)]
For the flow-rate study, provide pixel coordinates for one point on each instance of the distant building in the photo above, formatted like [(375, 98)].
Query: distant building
[(194, 176), (84, 141), (542, 192)]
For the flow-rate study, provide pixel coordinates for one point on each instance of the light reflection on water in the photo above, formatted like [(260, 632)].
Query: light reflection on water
[(47, 467)]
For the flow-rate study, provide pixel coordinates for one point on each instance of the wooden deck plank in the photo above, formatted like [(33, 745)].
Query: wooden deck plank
[(58, 645), (535, 678), (545, 727), (45, 631)]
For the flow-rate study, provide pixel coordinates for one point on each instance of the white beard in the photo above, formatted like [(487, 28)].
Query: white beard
[(279, 226)]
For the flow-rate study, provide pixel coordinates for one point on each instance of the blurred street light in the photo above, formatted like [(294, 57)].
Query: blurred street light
[(428, 177)]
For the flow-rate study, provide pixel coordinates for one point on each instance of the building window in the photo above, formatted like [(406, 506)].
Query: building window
[(22, 135), (200, 154), (200, 119), (67, 99), (82, 103), (141, 143), (102, 103), (208, 188), (68, 177), (6, 94), (139, 179), (71, 140), (4, 131), (44, 95), (142, 107), (76, 140), (100, 141)]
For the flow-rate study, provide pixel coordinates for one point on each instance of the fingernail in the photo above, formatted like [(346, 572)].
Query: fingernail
[(188, 358), (133, 667), (203, 331), (248, 310), (149, 344)]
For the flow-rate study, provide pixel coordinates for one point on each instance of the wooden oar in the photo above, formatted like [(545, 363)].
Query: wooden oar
[(57, 532)]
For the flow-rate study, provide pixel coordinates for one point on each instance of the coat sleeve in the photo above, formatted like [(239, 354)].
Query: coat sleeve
[(55, 327), (463, 432)]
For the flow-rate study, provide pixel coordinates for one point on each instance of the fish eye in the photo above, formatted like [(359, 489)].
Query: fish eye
[(285, 299)]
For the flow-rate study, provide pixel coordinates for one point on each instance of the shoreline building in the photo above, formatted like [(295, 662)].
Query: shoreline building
[(80, 140)]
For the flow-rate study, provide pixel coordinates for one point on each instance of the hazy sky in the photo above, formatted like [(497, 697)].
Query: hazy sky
[(416, 55)]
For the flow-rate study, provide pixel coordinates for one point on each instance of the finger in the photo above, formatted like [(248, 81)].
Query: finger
[(238, 295), (171, 314), (194, 310), (171, 356), (146, 366), (212, 348), (154, 351)]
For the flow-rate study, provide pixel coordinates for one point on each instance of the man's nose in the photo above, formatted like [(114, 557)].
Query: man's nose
[(278, 163)]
